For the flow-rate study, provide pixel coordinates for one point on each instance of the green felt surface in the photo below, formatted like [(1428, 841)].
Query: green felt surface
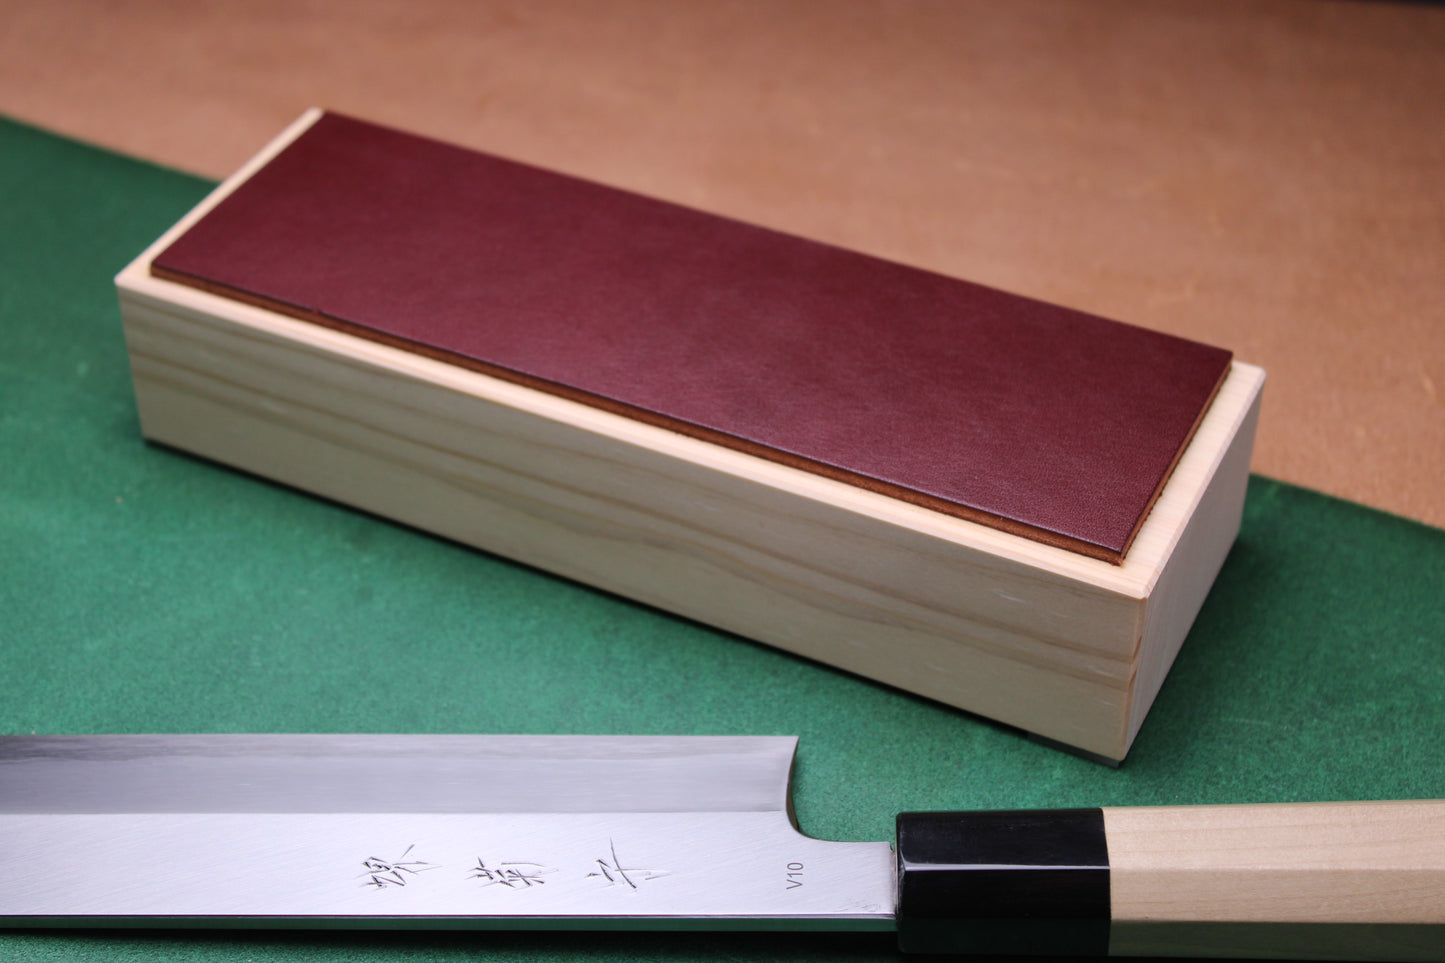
[(142, 590)]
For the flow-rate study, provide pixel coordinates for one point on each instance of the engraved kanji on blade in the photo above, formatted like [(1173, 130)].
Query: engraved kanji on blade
[(511, 874), (385, 873), (616, 874)]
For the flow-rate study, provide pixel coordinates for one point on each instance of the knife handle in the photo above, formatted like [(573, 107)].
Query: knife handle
[(1344, 881)]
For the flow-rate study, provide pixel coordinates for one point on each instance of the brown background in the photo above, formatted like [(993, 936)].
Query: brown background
[(1265, 176)]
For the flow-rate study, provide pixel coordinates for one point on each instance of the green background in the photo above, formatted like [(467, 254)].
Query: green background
[(143, 590)]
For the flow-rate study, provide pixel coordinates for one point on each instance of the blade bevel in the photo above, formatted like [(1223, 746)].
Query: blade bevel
[(387, 773)]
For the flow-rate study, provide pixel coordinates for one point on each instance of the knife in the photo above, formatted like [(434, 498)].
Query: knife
[(676, 832)]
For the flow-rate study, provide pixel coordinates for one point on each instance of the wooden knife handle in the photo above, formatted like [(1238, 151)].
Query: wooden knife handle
[(1354, 881), (1320, 881)]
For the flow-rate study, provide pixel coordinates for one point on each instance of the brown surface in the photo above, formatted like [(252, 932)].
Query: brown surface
[(1267, 176)]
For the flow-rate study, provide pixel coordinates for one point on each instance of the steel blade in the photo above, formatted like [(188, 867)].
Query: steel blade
[(421, 831)]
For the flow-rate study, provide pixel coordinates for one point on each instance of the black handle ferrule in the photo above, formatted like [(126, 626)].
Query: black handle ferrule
[(1027, 883)]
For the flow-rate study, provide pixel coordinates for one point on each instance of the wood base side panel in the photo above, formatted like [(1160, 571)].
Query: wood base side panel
[(1032, 636), (1191, 564)]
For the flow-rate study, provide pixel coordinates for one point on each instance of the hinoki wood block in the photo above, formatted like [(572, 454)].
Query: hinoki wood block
[(1011, 507)]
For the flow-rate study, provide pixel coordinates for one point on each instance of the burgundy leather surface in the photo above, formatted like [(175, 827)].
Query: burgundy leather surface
[(1030, 417)]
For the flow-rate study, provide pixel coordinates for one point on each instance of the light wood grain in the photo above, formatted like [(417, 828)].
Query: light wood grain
[(1322, 880), (1069, 647)]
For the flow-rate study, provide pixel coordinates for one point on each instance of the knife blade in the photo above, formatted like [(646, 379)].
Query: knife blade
[(675, 832)]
